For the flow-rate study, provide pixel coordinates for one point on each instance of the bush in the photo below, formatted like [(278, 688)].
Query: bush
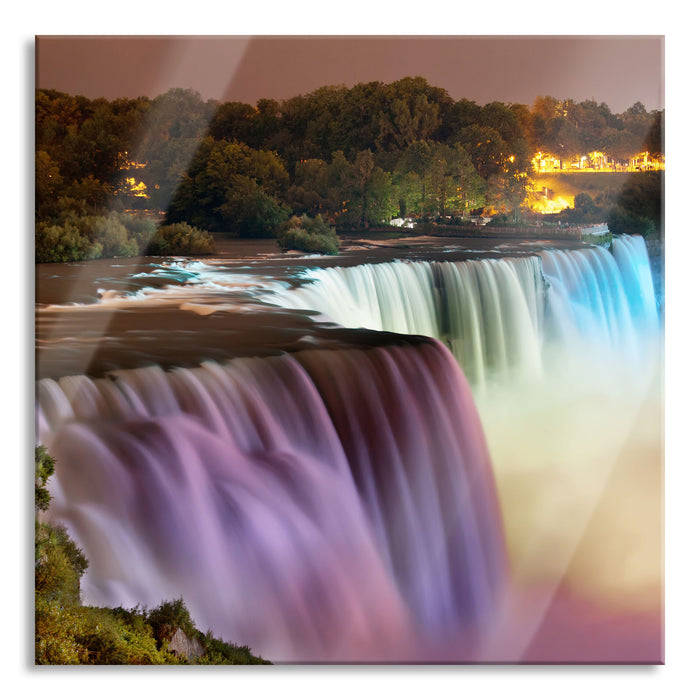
[(58, 565), (75, 235), (140, 229), (58, 561), (623, 221), (55, 634), (168, 616), (180, 239), (63, 243), (115, 239), (312, 235), (87, 635)]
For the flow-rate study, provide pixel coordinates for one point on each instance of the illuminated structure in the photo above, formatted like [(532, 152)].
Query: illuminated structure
[(595, 161), (131, 184)]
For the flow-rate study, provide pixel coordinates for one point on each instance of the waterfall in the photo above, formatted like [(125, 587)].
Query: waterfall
[(503, 319), (487, 312), (331, 505), (339, 504)]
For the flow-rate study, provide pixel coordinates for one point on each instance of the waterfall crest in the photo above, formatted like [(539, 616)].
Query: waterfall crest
[(500, 317), (327, 505)]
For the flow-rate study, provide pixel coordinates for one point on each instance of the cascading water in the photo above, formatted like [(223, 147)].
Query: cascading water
[(499, 316), (602, 303), (333, 505), (562, 350), (339, 504), (487, 312)]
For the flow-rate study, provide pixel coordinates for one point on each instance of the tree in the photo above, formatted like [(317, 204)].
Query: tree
[(413, 113), (439, 179), (48, 184), (248, 211), (654, 141), (412, 174), (233, 188), (235, 121), (309, 191), (44, 467), (172, 131), (489, 151), (365, 190), (470, 188), (585, 210)]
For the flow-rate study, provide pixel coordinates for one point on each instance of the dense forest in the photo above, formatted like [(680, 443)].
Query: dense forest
[(357, 157)]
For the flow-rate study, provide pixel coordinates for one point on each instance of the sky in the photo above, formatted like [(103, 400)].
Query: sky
[(618, 70)]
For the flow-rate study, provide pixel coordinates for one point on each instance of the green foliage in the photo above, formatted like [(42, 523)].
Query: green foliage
[(312, 235), (63, 243), (58, 561), (56, 631), (640, 204), (58, 565), (75, 634), (120, 637), (219, 652), (232, 188), (621, 220), (179, 239), (74, 235), (249, 212), (585, 210), (44, 466), (114, 238), (48, 182), (100, 636), (438, 179), (168, 616)]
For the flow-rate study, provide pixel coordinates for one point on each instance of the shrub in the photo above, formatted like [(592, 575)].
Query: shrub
[(63, 243), (119, 637), (87, 635), (58, 564), (167, 617), (312, 235), (115, 240), (55, 634), (73, 235), (180, 239), (140, 229)]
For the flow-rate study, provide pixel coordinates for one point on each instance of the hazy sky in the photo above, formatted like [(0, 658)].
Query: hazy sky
[(618, 70)]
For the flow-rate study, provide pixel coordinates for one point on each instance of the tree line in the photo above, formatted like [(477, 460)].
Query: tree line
[(356, 156)]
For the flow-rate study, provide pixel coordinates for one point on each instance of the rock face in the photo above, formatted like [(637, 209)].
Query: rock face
[(182, 645)]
